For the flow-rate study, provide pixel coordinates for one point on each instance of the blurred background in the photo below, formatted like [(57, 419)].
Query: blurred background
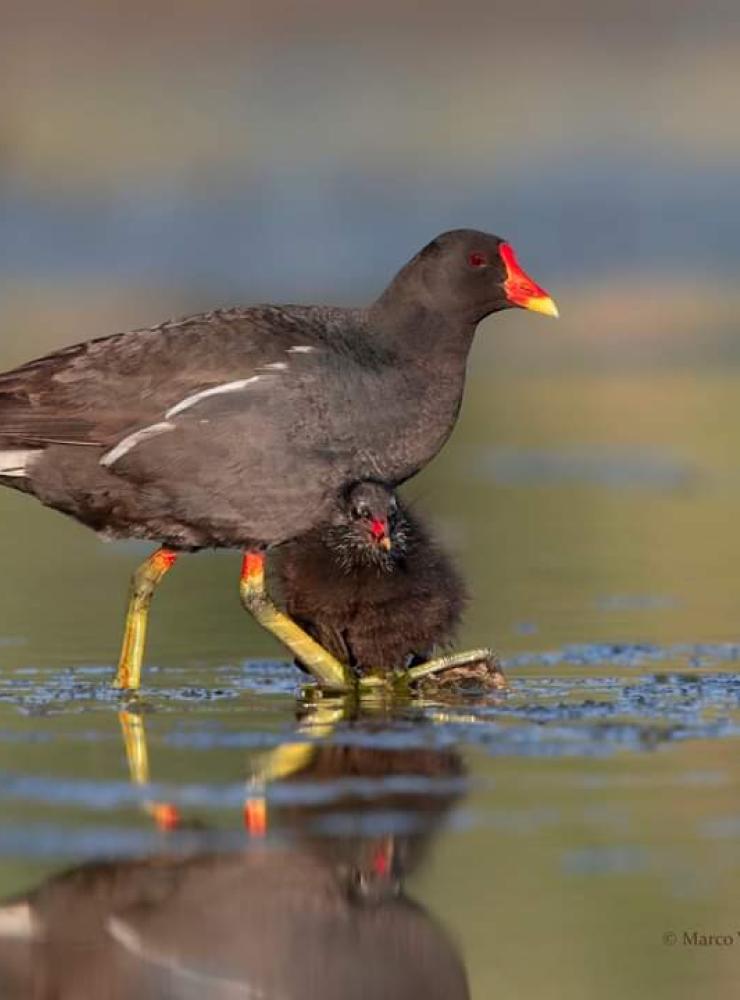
[(162, 158), (167, 156)]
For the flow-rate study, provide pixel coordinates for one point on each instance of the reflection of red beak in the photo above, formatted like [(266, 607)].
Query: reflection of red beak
[(383, 857), (520, 289), (255, 816), (379, 531)]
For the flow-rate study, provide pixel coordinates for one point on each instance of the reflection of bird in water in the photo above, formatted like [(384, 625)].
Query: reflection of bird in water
[(324, 918), (355, 783), (269, 924), (376, 590)]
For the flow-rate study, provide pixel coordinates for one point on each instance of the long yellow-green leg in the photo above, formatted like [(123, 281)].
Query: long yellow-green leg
[(143, 584), (327, 670), (164, 814), (285, 760)]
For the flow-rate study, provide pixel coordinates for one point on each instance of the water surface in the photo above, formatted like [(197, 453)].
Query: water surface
[(544, 842)]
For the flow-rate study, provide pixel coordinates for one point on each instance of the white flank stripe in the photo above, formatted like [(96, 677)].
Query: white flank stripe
[(17, 462), (131, 440), (208, 985), (301, 349), (216, 390), (18, 921)]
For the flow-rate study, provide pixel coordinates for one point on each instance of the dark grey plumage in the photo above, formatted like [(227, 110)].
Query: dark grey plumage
[(239, 428)]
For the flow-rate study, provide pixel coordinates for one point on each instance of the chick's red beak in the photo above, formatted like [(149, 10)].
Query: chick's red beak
[(379, 531), (520, 289)]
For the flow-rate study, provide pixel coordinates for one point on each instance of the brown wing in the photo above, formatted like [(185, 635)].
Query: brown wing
[(95, 392), (33, 410)]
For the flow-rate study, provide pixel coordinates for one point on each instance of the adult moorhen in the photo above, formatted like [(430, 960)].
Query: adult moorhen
[(239, 427)]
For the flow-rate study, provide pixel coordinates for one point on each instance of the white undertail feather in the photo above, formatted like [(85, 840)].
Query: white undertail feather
[(18, 462), (18, 921)]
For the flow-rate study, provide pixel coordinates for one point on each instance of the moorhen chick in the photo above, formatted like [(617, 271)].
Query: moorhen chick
[(373, 586), (239, 428)]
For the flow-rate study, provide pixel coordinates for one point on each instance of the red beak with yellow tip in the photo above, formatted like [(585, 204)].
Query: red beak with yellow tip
[(521, 290)]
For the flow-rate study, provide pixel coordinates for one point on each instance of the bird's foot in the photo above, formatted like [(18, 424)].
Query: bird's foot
[(441, 663)]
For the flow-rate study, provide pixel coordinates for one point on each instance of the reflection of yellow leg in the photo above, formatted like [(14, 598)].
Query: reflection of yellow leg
[(287, 759), (134, 741), (143, 584), (327, 670), (164, 814)]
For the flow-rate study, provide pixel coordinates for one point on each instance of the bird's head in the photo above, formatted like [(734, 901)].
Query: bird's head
[(471, 273), (367, 527)]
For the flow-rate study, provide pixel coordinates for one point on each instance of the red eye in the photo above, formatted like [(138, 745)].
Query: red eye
[(477, 259)]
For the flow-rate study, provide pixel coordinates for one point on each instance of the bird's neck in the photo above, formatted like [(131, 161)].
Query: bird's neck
[(428, 355), (420, 335)]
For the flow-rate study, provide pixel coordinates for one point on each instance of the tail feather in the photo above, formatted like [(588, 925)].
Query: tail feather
[(18, 461)]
